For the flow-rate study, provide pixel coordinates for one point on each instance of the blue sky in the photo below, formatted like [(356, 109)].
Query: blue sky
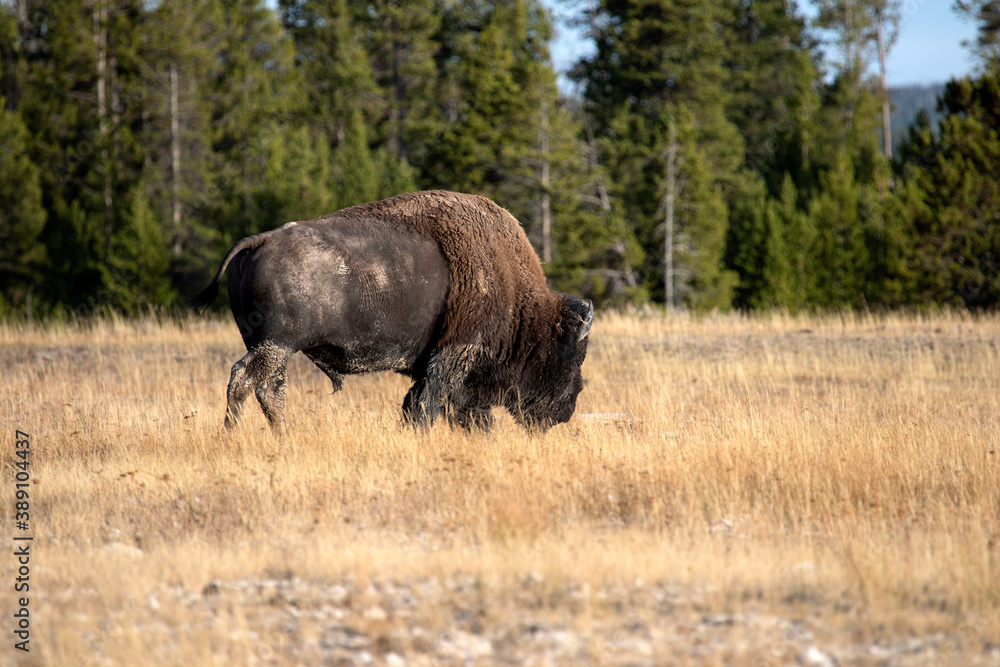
[(929, 48)]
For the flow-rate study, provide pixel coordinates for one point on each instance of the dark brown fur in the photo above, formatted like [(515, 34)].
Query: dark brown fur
[(468, 317)]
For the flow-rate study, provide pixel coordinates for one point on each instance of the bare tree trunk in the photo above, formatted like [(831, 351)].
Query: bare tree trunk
[(21, 11), (628, 276), (245, 151), (849, 33), (101, 42), (669, 201), (880, 38), (602, 189), (175, 162), (546, 204), (397, 112), (115, 105), (30, 44)]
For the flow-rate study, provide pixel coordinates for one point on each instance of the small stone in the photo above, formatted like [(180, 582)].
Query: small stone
[(375, 613), (814, 657)]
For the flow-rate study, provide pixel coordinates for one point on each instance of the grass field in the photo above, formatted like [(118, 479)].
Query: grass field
[(731, 491)]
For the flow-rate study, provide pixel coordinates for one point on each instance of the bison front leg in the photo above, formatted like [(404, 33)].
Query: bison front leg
[(472, 419), (431, 394), (422, 403)]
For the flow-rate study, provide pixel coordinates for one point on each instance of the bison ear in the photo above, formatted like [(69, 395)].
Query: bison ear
[(576, 318)]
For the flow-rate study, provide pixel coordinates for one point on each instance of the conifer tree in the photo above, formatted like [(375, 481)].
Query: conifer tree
[(850, 113), (593, 251), (366, 127), (253, 93), (750, 243), (359, 182), (137, 273), (181, 76), (701, 280), (399, 40), (772, 66), (791, 290), (80, 92), (840, 260), (986, 15), (848, 191), (657, 60), (333, 61), (489, 127), (956, 175), (300, 173), (22, 217)]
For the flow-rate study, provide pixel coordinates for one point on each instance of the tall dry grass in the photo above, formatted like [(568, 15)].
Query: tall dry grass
[(843, 469)]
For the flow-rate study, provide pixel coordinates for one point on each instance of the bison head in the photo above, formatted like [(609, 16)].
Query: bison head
[(553, 381)]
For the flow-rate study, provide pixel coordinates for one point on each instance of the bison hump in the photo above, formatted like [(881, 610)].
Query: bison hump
[(494, 273)]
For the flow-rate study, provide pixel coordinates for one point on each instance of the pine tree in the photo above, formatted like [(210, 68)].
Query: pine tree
[(371, 131), (333, 61), (792, 290), (137, 272), (953, 183), (22, 217), (659, 66), (772, 66), (359, 177), (253, 93), (752, 224), (398, 37), (885, 18), (893, 278), (594, 252), (840, 260), (850, 113), (80, 92), (55, 60), (489, 127), (701, 280), (986, 14), (299, 177), (865, 31), (181, 74)]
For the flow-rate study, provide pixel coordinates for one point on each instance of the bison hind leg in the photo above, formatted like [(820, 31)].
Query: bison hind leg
[(262, 371)]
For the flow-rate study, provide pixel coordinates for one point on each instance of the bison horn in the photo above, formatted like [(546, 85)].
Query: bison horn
[(588, 321)]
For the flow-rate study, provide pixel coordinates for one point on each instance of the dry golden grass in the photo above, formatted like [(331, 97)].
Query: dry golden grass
[(731, 491)]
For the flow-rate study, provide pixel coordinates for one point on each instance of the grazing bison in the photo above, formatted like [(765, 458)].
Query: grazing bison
[(439, 286)]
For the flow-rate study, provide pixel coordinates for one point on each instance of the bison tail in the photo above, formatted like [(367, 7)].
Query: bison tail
[(204, 298)]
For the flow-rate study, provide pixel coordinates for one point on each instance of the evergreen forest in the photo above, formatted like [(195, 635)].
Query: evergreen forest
[(714, 154)]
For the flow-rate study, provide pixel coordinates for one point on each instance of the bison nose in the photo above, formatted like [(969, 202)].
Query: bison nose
[(564, 415)]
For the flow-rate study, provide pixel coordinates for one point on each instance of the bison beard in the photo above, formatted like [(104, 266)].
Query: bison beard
[(442, 287)]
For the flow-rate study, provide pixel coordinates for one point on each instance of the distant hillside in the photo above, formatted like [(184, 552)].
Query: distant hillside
[(907, 101)]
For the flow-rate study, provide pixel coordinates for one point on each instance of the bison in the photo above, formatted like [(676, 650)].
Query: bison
[(439, 286)]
